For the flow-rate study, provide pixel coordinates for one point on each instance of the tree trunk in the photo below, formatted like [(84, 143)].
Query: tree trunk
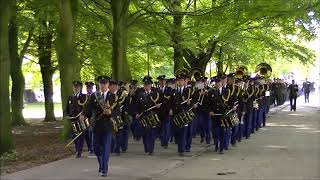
[(44, 52), (220, 62), (120, 68), (69, 65), (17, 77), (176, 37), (202, 58), (5, 117)]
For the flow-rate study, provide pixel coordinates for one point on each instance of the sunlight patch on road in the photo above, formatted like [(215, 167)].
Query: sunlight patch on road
[(216, 159), (304, 128), (288, 125), (297, 114), (278, 147)]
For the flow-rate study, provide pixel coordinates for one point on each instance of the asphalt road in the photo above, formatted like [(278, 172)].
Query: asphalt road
[(287, 148)]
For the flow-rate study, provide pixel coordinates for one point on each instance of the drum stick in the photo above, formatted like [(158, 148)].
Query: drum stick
[(183, 102), (74, 139), (77, 136), (74, 117), (150, 109)]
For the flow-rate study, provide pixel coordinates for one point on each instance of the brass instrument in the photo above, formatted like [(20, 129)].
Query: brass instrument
[(106, 105), (182, 71), (241, 71), (264, 70), (196, 73)]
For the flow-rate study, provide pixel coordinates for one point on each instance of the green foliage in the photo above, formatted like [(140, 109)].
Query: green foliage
[(248, 32), (9, 156)]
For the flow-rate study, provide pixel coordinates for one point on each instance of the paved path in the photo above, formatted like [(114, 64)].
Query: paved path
[(288, 148)]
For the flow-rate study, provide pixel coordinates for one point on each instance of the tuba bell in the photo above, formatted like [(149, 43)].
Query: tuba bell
[(241, 71), (182, 71), (196, 73), (264, 70)]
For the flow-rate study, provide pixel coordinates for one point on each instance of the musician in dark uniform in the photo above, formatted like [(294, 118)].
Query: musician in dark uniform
[(217, 110), (131, 108), (75, 105), (181, 102), (248, 100), (276, 89), (171, 82), (233, 103), (293, 94), (117, 139), (229, 99), (123, 103), (88, 133), (100, 111), (306, 87), (240, 110), (190, 128), (203, 121), (163, 112), (255, 114), (148, 98), (264, 102)]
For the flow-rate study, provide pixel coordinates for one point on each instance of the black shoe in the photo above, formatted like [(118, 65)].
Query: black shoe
[(181, 154), (124, 151), (188, 150), (216, 149), (150, 154), (221, 152), (202, 140)]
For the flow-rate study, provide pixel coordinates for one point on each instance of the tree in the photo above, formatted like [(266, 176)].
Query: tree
[(120, 69), (69, 64), (45, 18), (17, 77), (5, 117), (44, 41)]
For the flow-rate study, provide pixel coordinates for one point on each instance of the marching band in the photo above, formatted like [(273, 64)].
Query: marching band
[(224, 108)]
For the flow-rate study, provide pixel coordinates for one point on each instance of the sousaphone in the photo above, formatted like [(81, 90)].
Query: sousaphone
[(264, 70)]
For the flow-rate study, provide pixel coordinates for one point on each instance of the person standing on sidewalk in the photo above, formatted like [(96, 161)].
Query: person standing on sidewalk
[(293, 94), (306, 90)]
